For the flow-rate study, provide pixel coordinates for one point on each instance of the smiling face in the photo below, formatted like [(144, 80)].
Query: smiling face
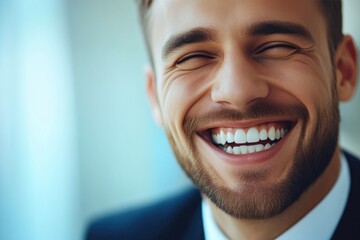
[(246, 91)]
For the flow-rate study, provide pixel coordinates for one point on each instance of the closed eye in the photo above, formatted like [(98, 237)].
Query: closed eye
[(194, 60), (277, 50)]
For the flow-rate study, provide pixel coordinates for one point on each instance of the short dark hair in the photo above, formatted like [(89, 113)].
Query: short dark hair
[(332, 10)]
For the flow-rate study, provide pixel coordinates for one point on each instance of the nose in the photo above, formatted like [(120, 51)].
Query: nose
[(238, 83)]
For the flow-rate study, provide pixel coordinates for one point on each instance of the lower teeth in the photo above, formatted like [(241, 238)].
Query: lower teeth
[(244, 149)]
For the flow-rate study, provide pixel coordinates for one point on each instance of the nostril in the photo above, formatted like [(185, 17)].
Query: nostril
[(239, 94)]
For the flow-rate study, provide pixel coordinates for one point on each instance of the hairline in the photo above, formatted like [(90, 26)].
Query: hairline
[(333, 39)]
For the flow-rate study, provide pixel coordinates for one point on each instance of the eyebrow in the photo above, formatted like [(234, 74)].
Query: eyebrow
[(195, 35), (279, 27)]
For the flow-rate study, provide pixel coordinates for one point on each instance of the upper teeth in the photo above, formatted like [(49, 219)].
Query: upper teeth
[(252, 135)]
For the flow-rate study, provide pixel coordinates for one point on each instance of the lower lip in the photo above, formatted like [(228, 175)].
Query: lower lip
[(251, 158)]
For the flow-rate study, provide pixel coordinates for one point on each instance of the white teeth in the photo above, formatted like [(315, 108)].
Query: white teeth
[(218, 138), (251, 149), (236, 150), (240, 136), (259, 148), (271, 134), (243, 149), (252, 135), (248, 149), (282, 133), (229, 137), (277, 134), (263, 134), (229, 149), (215, 138), (267, 146), (222, 137)]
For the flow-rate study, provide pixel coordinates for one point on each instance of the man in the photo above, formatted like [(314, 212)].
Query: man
[(248, 94)]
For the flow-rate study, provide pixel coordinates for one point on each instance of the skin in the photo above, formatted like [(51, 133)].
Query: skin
[(240, 70)]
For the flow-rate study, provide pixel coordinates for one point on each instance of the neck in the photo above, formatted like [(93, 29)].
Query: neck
[(273, 227)]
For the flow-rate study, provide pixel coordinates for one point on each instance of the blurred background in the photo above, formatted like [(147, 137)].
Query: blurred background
[(77, 138)]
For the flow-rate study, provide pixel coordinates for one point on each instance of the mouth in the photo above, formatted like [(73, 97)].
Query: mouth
[(247, 140)]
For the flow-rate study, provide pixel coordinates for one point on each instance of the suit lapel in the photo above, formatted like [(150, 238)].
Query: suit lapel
[(195, 230), (349, 226)]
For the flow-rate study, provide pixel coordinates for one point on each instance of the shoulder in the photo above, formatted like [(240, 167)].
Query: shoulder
[(348, 227), (156, 221), (354, 195), (354, 164)]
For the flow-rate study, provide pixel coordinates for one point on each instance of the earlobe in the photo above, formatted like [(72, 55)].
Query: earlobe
[(346, 68), (152, 95)]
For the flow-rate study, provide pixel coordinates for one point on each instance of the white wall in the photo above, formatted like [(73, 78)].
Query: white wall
[(38, 167)]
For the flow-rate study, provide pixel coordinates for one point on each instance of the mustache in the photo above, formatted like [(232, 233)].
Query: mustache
[(260, 109)]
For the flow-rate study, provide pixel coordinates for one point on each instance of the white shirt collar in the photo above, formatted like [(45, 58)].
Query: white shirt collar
[(330, 208)]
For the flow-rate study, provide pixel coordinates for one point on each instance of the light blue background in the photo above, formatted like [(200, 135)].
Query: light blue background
[(77, 137)]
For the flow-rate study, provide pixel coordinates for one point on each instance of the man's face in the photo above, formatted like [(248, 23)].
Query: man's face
[(247, 96)]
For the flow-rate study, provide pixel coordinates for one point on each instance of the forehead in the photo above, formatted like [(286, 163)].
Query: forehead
[(172, 9), (170, 16)]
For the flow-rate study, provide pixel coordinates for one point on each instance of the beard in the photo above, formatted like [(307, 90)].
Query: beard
[(260, 201)]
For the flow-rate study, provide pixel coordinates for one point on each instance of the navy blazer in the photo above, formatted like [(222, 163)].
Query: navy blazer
[(180, 217)]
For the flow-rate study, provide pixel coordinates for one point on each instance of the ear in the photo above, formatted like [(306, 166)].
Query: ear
[(152, 95), (346, 68)]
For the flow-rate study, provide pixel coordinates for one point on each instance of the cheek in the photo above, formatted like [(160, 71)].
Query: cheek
[(310, 83), (179, 94)]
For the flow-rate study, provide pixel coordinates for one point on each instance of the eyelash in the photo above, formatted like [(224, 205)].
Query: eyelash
[(194, 55), (265, 47), (260, 50)]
